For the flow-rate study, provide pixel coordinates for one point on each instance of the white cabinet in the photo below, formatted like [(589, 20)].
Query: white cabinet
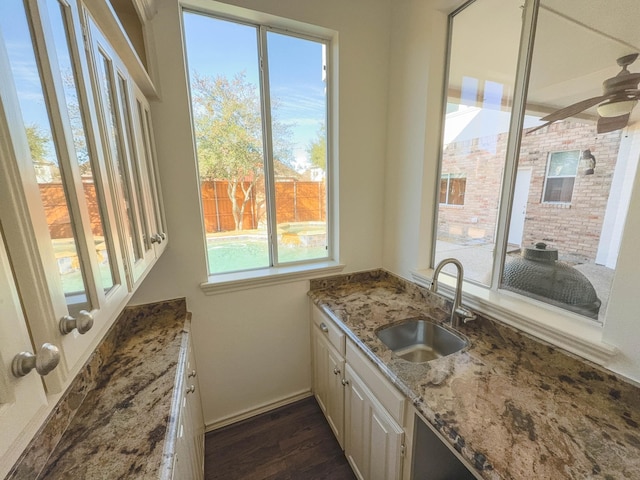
[(77, 226), (363, 409), (373, 439), (21, 399), (328, 376), (189, 454)]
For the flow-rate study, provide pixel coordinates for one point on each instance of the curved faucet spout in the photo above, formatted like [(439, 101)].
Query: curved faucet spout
[(458, 312)]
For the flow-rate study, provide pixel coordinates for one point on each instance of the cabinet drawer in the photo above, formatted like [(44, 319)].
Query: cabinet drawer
[(390, 398), (329, 329)]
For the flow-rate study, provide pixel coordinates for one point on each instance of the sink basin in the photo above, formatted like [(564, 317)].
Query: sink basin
[(419, 340)]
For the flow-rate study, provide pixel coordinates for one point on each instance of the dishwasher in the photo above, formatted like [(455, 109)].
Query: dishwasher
[(433, 459)]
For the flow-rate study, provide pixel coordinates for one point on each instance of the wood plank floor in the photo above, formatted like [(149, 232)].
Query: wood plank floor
[(290, 443)]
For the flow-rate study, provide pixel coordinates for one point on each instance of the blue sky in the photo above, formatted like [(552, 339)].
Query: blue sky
[(219, 47)]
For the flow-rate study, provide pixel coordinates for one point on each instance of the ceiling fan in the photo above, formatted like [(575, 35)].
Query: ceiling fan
[(619, 95)]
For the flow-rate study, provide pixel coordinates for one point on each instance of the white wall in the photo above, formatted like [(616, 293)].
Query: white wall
[(417, 57), (252, 346)]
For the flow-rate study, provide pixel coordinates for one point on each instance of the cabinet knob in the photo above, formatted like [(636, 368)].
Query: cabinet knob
[(191, 389), (324, 327), (155, 238), (191, 374), (163, 235), (83, 323), (44, 361), (336, 371), (345, 382)]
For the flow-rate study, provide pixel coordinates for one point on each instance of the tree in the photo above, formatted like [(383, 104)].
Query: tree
[(317, 149), (228, 129), (38, 143)]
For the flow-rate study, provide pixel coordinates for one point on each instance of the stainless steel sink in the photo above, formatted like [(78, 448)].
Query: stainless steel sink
[(419, 340)]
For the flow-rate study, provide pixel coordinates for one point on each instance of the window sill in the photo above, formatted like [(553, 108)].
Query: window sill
[(232, 282), (562, 329)]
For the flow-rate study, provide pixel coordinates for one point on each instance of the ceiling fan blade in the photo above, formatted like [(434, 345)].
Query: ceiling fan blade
[(538, 127), (574, 109), (609, 124)]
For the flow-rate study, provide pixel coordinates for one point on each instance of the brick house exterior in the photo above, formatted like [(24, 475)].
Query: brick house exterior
[(573, 228)]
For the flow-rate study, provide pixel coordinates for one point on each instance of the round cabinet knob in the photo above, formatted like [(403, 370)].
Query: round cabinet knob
[(163, 235), (324, 328), (44, 361), (156, 239), (336, 371), (345, 382), (83, 323), (191, 389), (191, 374)]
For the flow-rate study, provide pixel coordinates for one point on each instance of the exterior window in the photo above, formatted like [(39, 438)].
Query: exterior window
[(561, 176), (259, 106), (557, 186), (452, 187)]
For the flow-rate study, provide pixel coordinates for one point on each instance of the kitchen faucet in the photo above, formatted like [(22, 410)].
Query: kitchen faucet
[(458, 312)]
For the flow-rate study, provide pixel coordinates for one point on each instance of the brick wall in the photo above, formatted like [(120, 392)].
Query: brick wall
[(571, 228)]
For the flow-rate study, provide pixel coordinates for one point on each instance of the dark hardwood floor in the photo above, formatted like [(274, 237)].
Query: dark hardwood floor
[(290, 443)]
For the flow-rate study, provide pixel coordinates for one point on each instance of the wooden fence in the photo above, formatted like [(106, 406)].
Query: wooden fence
[(296, 201)]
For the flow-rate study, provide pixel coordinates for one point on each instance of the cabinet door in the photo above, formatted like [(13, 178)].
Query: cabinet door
[(117, 116), (21, 399), (373, 440), (328, 387), (147, 159), (58, 228)]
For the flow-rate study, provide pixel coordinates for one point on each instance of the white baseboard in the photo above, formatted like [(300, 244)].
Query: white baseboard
[(252, 412)]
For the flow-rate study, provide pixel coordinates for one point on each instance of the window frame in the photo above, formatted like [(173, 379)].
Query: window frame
[(559, 327), (547, 177), (276, 274), (449, 177)]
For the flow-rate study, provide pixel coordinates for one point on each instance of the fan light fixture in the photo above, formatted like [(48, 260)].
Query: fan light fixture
[(615, 109)]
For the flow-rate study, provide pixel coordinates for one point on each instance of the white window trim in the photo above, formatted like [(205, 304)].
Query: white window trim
[(247, 279), (236, 281)]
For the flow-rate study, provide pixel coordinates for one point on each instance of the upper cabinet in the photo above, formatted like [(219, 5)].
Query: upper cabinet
[(81, 218)]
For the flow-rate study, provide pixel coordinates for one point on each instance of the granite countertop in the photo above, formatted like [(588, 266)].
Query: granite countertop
[(118, 419), (512, 406)]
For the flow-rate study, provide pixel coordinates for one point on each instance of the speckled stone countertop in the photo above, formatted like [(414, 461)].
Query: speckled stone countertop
[(118, 418), (514, 407)]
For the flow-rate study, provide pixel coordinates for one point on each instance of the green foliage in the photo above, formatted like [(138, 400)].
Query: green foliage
[(228, 130), (38, 143), (317, 149)]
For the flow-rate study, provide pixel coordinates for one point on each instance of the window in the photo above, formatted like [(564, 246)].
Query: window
[(561, 176), (524, 186), (259, 106), (452, 187)]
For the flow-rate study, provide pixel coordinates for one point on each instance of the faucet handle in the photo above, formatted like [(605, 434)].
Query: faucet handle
[(465, 314)]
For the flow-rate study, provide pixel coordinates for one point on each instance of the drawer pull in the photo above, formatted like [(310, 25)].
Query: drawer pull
[(345, 382), (336, 371), (324, 327), (191, 389)]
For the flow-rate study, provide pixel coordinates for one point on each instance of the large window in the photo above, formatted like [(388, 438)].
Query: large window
[(546, 200), (259, 105)]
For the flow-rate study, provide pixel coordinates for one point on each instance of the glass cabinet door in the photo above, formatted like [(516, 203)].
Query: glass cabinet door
[(118, 120), (61, 175)]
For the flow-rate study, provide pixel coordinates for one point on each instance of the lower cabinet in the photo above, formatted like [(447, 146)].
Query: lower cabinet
[(189, 453), (374, 440), (363, 409), (328, 374)]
